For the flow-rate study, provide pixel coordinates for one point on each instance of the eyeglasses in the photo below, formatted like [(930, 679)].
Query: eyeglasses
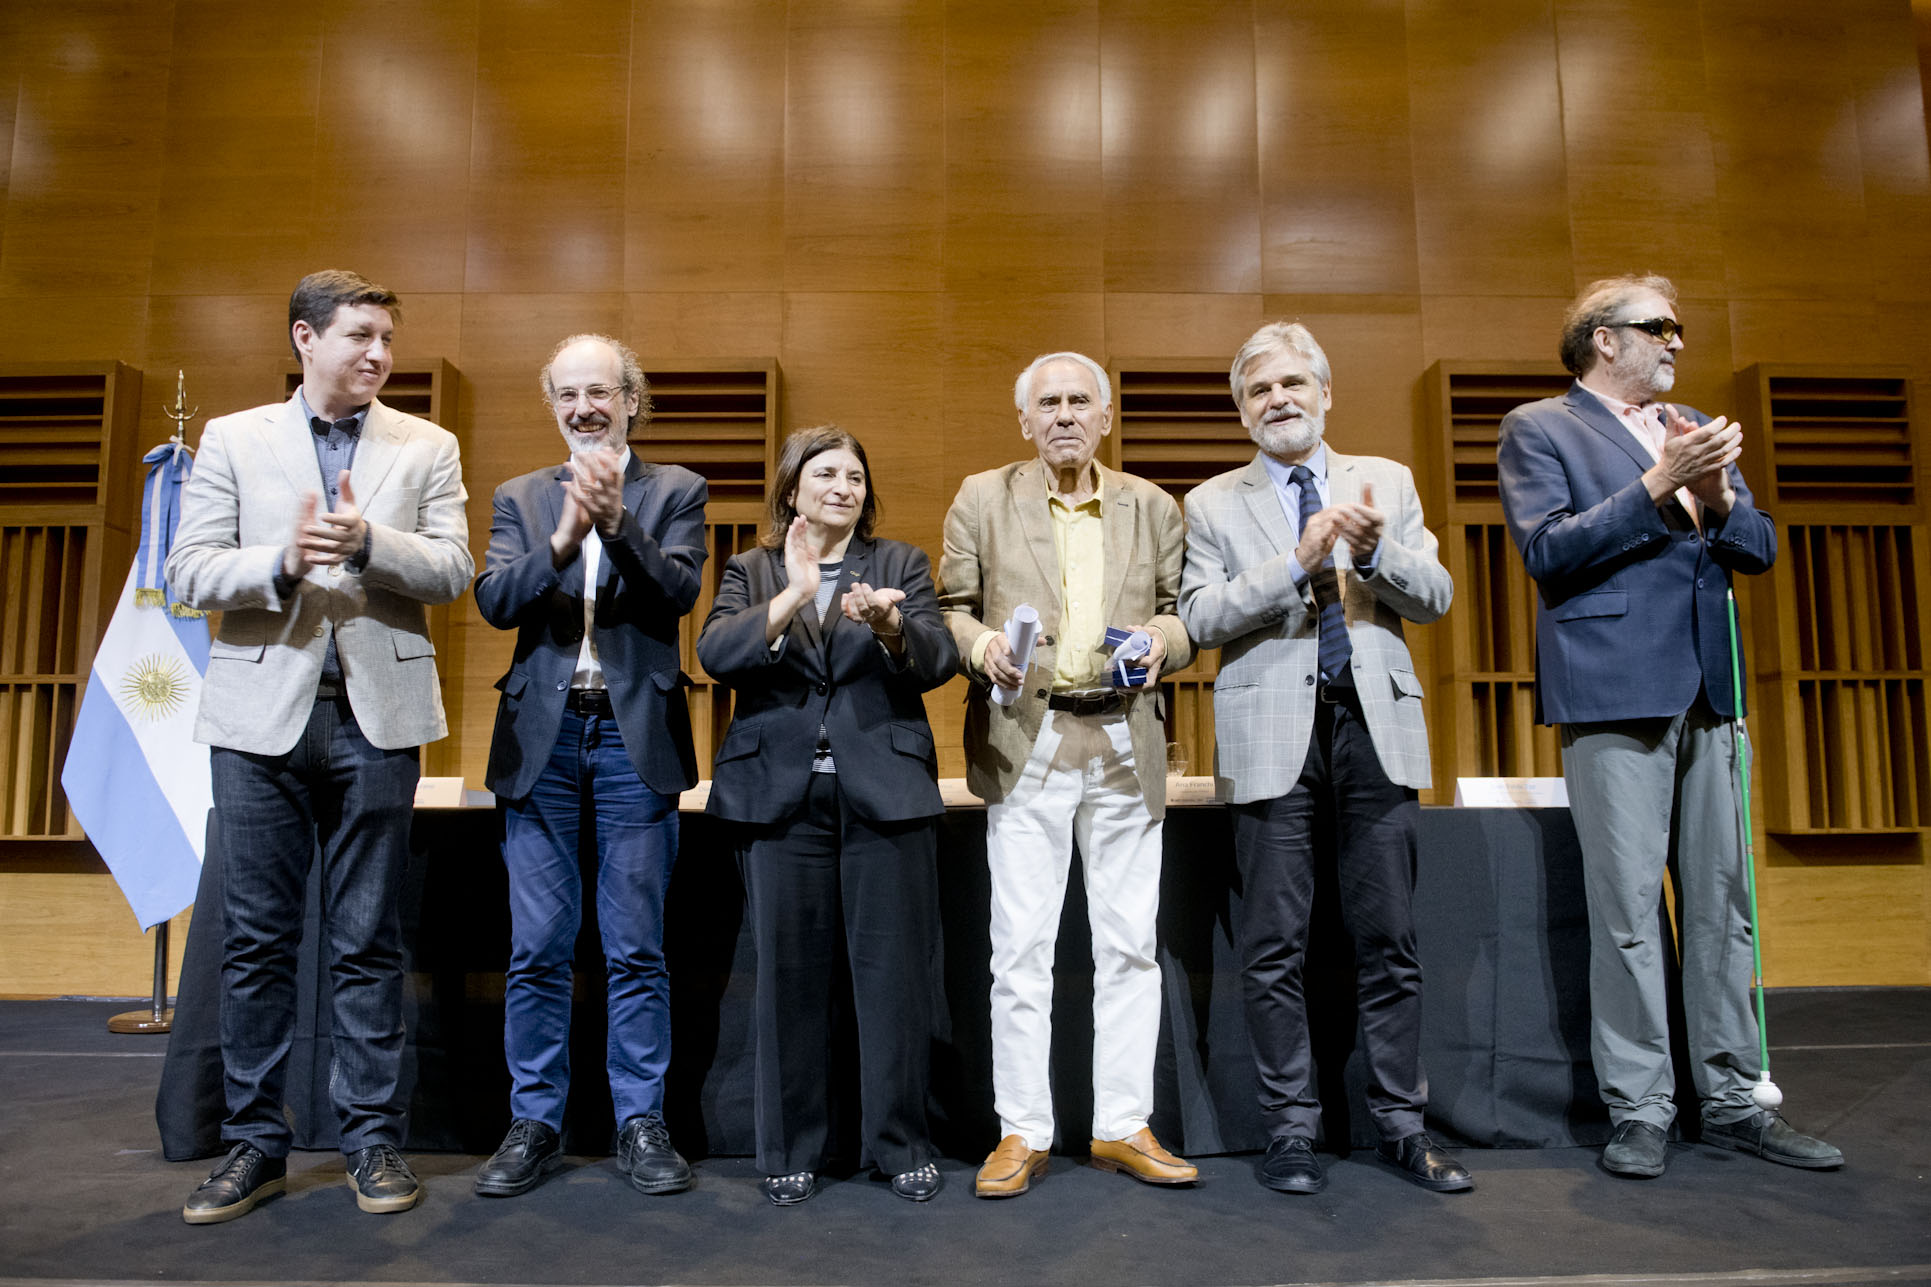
[(1663, 328), (598, 394)]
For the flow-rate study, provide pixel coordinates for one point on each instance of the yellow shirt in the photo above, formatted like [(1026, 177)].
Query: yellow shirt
[(1080, 541)]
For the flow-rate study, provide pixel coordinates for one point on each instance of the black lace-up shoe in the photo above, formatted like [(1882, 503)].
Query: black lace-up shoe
[(1422, 1161), (789, 1190), (529, 1152), (920, 1184), (1291, 1167), (243, 1178), (1637, 1149), (382, 1181), (1773, 1139), (645, 1155)]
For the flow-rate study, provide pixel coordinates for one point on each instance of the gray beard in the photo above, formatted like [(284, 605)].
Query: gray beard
[(1289, 437), (579, 443)]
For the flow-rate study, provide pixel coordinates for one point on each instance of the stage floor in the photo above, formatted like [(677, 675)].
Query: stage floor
[(86, 1196)]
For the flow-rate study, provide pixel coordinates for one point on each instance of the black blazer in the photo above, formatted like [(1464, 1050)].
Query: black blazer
[(869, 703), (648, 580)]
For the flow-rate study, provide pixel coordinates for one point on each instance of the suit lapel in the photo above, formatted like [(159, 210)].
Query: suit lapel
[(1344, 488), (570, 581), (1036, 525), (1119, 524), (1588, 408), (1256, 487), (292, 444), (377, 453), (858, 556)]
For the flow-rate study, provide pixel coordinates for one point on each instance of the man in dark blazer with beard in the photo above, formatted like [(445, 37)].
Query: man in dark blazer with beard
[(1632, 517), (593, 564)]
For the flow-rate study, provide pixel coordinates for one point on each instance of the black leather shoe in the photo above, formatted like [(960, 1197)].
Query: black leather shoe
[(1291, 1167), (921, 1184), (1422, 1161), (789, 1190), (1636, 1149), (242, 1179), (382, 1181), (645, 1155), (528, 1153), (1773, 1139)]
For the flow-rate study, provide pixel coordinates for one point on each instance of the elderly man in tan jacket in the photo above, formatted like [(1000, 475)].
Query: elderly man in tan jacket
[(1072, 758)]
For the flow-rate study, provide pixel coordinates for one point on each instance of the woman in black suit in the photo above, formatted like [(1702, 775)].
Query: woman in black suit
[(829, 637)]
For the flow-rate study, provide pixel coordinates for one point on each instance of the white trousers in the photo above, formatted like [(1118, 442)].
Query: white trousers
[(1078, 785)]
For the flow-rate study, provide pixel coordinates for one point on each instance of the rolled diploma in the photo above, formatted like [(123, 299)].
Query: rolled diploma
[(1022, 632)]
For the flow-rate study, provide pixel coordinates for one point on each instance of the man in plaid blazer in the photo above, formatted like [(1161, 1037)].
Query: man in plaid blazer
[(1301, 567)]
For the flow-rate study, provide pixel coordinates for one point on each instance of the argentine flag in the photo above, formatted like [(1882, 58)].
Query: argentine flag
[(135, 777)]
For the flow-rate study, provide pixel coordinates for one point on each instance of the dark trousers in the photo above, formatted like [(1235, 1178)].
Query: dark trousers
[(822, 880), (589, 778), (356, 800), (1345, 810)]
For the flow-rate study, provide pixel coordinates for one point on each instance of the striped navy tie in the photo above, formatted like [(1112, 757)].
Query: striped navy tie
[(1335, 648)]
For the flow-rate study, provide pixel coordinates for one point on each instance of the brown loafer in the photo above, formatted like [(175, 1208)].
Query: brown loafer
[(1140, 1156), (1009, 1169)]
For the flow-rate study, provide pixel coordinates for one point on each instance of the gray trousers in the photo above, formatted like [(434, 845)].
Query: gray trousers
[(1648, 795)]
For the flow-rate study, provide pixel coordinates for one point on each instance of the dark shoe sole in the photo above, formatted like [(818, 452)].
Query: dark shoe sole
[(1299, 1187), (1462, 1185), (511, 1188), (1631, 1172), (235, 1210), (1025, 1183), (1781, 1159)]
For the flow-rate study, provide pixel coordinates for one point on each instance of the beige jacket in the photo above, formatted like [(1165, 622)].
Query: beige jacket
[(999, 553)]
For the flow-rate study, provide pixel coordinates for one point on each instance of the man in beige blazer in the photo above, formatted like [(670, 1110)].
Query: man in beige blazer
[(1301, 567), (319, 528), (1072, 758)]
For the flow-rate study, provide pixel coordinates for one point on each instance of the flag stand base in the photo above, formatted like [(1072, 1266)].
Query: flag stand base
[(157, 1017)]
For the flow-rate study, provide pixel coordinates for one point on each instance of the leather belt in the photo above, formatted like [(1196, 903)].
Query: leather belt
[(1340, 695), (589, 701), (1086, 703)]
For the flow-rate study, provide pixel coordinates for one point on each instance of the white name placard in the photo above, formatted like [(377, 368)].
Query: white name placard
[(1511, 793)]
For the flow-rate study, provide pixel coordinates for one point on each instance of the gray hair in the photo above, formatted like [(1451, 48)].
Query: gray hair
[(634, 381), (1022, 388), (1279, 335), (1596, 307)]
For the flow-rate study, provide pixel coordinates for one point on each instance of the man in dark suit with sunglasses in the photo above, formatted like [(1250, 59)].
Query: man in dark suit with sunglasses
[(1632, 517)]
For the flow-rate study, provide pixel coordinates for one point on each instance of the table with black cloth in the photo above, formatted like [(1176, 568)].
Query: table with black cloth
[(1499, 915)]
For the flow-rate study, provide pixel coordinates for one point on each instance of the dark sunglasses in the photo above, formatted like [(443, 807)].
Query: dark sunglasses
[(1663, 328)]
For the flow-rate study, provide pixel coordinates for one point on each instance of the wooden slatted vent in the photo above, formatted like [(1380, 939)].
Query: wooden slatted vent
[(1842, 439)]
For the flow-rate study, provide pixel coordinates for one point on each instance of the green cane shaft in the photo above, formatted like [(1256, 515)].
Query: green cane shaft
[(1749, 845)]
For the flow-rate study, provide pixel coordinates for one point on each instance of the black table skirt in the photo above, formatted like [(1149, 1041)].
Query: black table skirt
[(1504, 948)]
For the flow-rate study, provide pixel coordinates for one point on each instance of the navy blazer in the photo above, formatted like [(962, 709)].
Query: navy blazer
[(1632, 619), (870, 703), (648, 580)]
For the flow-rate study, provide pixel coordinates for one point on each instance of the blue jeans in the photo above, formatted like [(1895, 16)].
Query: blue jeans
[(271, 811), (589, 773)]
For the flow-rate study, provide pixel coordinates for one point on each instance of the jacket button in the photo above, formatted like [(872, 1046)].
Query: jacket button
[(562, 684), (1308, 681), (1040, 693), (318, 632), (822, 687)]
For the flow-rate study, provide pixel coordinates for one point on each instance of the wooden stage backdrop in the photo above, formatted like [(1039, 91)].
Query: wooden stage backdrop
[(876, 212)]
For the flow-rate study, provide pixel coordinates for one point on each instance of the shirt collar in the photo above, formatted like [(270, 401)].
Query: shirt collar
[(1317, 464), (1090, 503), (360, 415)]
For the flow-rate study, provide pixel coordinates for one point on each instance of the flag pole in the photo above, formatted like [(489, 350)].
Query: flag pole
[(159, 1017)]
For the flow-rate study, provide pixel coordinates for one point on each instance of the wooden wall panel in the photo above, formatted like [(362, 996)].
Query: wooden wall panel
[(1337, 182), (546, 168), (704, 200), (1025, 208), (85, 154), (102, 951), (905, 203), (1627, 70), (235, 213), (392, 145), (1178, 134), (864, 146), (1789, 175), (1486, 111)]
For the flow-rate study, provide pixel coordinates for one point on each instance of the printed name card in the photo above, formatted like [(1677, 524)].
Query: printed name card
[(1511, 793)]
